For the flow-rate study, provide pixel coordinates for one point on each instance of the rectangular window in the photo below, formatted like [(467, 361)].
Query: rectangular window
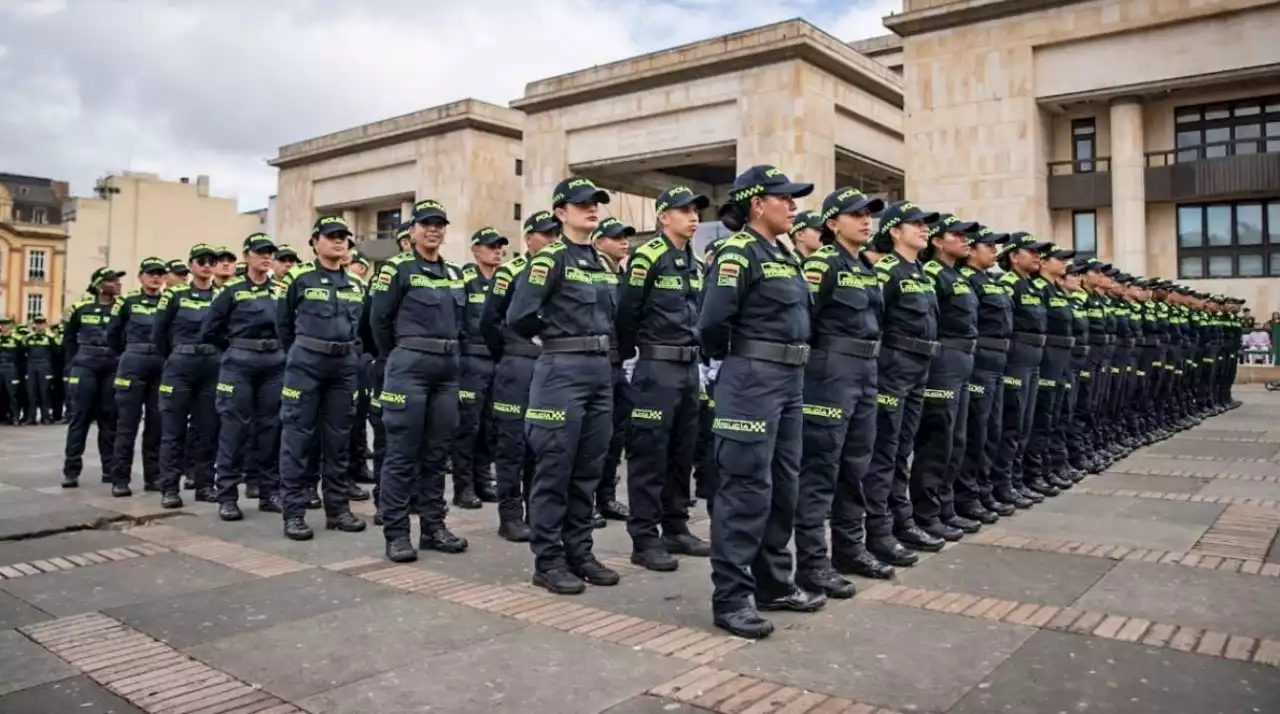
[(387, 223), (1229, 240), (35, 306), (1084, 233), (1084, 137), (517, 212), (38, 216), (519, 167), (36, 266), (1245, 126)]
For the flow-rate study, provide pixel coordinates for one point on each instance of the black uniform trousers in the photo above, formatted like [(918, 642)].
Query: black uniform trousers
[(375, 370), (472, 444), (607, 489), (248, 401), (660, 444), (1144, 386), (1070, 445), (1117, 395), (420, 413), (1100, 367), (317, 405), (758, 442), (1017, 409), (90, 385), (839, 430), (40, 376), (982, 443), (900, 395), (568, 426), (12, 388), (512, 460), (1038, 458), (704, 463), (189, 417), (358, 443), (137, 396), (941, 435)]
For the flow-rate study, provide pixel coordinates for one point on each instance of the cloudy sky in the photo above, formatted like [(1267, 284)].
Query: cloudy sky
[(187, 87)]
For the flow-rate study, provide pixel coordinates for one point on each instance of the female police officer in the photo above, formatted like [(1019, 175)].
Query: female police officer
[(756, 311), (1056, 358), (910, 328), (839, 398)]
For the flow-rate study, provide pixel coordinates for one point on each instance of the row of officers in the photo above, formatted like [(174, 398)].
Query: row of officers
[(909, 384)]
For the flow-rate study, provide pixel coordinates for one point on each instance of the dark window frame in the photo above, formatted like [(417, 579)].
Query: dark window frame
[(1085, 130), (1234, 250), (519, 167), (517, 212), (1075, 237), (1262, 112)]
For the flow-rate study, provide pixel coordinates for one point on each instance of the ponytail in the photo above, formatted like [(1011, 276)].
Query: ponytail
[(733, 216)]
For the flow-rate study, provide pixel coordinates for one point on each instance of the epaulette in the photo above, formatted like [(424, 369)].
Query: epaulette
[(132, 293), (887, 262), (826, 251), (555, 246), (401, 257), (234, 281), (1040, 283), (469, 271), (967, 272), (738, 240), (1009, 278), (933, 267), (81, 303), (652, 250)]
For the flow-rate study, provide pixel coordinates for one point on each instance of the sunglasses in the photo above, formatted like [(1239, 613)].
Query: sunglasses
[(155, 272), (264, 251), (204, 261)]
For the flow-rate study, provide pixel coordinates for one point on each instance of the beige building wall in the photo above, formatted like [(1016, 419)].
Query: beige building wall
[(148, 217)]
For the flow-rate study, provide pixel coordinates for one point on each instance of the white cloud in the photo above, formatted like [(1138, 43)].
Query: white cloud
[(216, 86)]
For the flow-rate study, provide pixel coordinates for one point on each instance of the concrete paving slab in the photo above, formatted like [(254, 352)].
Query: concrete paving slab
[(1225, 602), (1215, 449), (1060, 672), (681, 598), (1209, 433), (1135, 482), (1131, 522), (24, 664), (263, 532), (653, 705), (15, 613), (1208, 469), (194, 618), (530, 670), (1244, 489), (1024, 576), (121, 583), (77, 694), (306, 657), (489, 559), (62, 544), (904, 659)]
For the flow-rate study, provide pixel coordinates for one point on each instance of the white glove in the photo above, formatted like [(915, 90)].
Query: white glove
[(702, 377), (713, 371), (629, 366), (536, 340)]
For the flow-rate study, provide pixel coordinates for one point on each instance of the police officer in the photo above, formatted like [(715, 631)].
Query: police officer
[(225, 269), (839, 399), (40, 347), (755, 317), (190, 381), (472, 455), (59, 373), (568, 301), (1020, 259), (242, 323), (944, 418), (178, 273), (1068, 448), (1055, 358), (806, 233), (10, 369), (138, 377), (91, 365), (973, 486), (319, 316), (909, 345), (657, 322), (416, 318), (284, 260), (516, 356), (612, 242), (361, 268), (1092, 379)]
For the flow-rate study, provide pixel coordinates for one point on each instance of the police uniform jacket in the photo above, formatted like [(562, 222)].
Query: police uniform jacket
[(995, 304), (416, 298), (179, 315), (133, 319), (957, 303), (86, 326), (910, 304), (568, 292), (475, 288), (242, 310), (658, 298), (847, 301), (754, 292), (319, 304), (1028, 303), (40, 347), (493, 315)]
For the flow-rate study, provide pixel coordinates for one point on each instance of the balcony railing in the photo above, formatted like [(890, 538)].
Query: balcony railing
[(1216, 170), (1080, 184)]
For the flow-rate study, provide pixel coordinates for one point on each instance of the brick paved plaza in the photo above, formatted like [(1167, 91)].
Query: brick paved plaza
[(1154, 587)]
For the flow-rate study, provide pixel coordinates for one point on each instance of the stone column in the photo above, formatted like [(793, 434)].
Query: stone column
[(1128, 187), (406, 210), (350, 217), (784, 123)]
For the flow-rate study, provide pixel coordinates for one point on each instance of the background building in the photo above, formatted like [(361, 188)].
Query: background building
[(137, 215), (33, 247), (1145, 132)]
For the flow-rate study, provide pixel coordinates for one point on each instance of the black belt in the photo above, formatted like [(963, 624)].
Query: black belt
[(325, 347), (778, 352), (1029, 338), (1059, 341), (1126, 342), (142, 348), (867, 349), (475, 349), (242, 343), (998, 344), (521, 349), (96, 351), (429, 345), (913, 345), (1080, 350), (1151, 342), (595, 344), (669, 353), (192, 349), (1098, 340), (958, 343)]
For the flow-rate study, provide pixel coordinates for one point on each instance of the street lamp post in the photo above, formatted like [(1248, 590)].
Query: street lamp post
[(105, 191)]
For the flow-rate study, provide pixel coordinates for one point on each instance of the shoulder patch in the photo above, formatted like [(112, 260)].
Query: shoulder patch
[(401, 257), (933, 267)]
